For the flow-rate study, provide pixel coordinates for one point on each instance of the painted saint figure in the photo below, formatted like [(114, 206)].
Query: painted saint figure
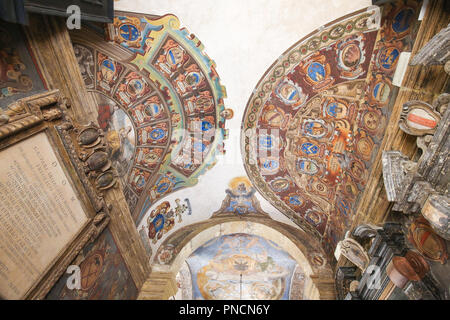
[(241, 199)]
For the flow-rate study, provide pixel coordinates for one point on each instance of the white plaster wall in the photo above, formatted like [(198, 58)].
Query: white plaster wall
[(243, 37)]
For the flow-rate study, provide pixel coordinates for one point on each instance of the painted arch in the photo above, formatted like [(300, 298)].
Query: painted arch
[(317, 117), (160, 103), (297, 245)]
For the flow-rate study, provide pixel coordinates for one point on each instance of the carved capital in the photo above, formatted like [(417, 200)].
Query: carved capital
[(353, 251), (365, 231)]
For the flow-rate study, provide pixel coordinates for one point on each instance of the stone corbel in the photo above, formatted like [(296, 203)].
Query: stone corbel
[(365, 231), (354, 252)]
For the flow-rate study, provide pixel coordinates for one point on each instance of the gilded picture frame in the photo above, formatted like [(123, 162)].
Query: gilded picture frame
[(83, 157)]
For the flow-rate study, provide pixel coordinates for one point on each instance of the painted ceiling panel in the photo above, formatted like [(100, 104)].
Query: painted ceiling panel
[(317, 117), (160, 104)]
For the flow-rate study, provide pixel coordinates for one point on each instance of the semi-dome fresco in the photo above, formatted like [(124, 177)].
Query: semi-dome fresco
[(317, 117), (241, 267), (160, 103)]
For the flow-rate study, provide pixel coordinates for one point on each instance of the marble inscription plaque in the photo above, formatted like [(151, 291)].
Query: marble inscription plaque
[(40, 214)]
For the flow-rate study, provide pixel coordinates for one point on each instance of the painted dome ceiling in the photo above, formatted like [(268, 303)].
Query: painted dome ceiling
[(317, 117), (160, 103), (241, 267)]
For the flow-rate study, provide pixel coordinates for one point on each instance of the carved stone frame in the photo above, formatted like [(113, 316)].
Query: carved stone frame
[(45, 112)]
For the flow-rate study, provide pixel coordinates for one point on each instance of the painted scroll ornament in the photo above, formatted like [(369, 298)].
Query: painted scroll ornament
[(353, 251)]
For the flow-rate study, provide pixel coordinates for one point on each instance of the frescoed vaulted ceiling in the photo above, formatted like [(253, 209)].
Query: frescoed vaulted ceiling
[(308, 135), (160, 103), (293, 208), (317, 117)]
